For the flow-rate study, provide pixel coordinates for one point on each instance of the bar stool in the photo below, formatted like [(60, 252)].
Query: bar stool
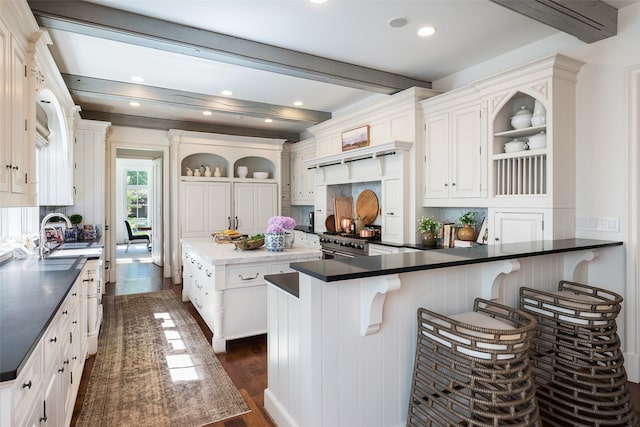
[(473, 369), (577, 363)]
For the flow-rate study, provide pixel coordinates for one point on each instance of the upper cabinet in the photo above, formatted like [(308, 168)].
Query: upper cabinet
[(17, 121), (543, 174), (453, 150), (302, 178)]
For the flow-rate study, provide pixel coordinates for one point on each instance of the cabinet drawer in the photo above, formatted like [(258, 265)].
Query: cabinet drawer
[(248, 275), (28, 384)]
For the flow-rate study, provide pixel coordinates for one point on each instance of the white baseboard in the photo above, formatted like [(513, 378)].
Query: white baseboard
[(278, 413)]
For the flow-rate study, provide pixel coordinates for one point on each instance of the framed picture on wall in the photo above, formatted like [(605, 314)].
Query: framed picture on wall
[(355, 138)]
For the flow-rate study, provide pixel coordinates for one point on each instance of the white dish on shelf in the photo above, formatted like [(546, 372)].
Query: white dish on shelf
[(538, 140), (514, 146), (261, 175)]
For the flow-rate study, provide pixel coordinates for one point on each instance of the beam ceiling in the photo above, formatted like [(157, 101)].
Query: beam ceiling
[(589, 21), (113, 24)]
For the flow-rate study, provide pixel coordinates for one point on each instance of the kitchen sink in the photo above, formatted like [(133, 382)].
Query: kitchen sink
[(74, 245)]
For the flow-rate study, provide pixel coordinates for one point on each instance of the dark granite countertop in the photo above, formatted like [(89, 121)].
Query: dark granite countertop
[(368, 266), (31, 291), (288, 282)]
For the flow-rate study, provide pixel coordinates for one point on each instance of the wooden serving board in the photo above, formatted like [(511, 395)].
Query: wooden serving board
[(343, 207), (367, 206)]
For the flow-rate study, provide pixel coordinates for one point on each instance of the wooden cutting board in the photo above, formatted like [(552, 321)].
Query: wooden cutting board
[(330, 223), (367, 206), (343, 208)]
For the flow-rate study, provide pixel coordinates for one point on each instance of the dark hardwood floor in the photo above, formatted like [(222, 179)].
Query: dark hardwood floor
[(245, 360)]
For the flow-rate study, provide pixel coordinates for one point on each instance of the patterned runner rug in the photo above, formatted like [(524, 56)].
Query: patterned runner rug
[(154, 367)]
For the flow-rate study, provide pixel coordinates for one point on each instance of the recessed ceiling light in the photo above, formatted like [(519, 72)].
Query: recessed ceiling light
[(318, 1), (207, 113), (137, 79), (134, 104), (398, 22), (426, 31), (226, 93), (268, 120), (298, 103)]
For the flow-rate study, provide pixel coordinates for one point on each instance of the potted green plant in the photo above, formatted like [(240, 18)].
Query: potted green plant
[(429, 228), (468, 231)]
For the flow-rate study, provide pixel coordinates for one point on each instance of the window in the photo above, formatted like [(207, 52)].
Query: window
[(137, 190)]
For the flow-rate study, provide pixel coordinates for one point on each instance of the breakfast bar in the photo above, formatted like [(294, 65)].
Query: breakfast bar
[(341, 333)]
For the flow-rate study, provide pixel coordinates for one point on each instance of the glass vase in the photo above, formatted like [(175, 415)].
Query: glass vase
[(289, 239)]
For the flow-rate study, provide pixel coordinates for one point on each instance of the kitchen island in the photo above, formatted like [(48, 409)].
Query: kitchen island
[(341, 351), (227, 285)]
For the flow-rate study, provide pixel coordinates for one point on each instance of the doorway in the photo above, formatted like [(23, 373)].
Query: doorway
[(136, 194)]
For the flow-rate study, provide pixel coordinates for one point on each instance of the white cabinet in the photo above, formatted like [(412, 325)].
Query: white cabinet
[(228, 288), (89, 170), (254, 204), (392, 211), (45, 391), (17, 139), (207, 206), (320, 215), (511, 227), (302, 179), (453, 152)]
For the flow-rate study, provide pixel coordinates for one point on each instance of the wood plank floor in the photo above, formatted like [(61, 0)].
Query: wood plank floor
[(245, 360)]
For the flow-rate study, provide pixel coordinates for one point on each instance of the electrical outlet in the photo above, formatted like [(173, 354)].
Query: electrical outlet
[(595, 223)]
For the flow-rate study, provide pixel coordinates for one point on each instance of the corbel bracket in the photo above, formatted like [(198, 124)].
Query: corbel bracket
[(492, 278), (372, 300), (573, 260)]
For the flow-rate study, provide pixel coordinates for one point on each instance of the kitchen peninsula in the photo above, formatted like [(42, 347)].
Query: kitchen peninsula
[(227, 285), (341, 351)]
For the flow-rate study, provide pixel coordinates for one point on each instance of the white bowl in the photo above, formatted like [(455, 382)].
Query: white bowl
[(537, 141), (521, 121), (261, 175), (515, 145)]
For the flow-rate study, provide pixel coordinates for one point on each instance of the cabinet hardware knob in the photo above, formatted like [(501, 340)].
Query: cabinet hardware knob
[(390, 213), (74, 358), (27, 385), (54, 339), (8, 166), (74, 294), (453, 184), (15, 168), (65, 312), (75, 322), (61, 369), (208, 273), (496, 239), (446, 185), (66, 362), (249, 278), (199, 266)]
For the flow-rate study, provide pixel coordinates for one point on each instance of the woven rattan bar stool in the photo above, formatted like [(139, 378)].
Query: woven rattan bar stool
[(473, 369), (577, 361)]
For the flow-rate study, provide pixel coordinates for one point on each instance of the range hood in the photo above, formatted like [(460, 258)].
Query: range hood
[(364, 153)]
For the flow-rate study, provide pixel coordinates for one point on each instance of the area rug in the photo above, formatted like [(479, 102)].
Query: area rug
[(154, 367)]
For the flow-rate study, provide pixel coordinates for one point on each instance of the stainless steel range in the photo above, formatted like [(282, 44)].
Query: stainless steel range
[(344, 246)]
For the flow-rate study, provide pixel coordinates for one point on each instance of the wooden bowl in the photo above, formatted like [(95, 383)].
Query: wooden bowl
[(248, 245)]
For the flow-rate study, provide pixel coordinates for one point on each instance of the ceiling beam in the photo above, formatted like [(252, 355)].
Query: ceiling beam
[(589, 21), (165, 124), (82, 85), (113, 24)]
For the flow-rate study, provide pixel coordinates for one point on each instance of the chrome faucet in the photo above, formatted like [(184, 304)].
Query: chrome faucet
[(44, 245)]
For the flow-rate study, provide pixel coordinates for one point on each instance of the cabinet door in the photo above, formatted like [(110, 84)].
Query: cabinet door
[(254, 204), (195, 209), (5, 108), (320, 208), (436, 173), (466, 136), (392, 221), (219, 196), (19, 108), (511, 227)]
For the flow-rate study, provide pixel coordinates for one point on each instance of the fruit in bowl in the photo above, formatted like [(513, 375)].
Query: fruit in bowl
[(249, 243)]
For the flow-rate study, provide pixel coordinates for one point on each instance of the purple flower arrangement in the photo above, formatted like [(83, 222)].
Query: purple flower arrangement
[(280, 224)]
